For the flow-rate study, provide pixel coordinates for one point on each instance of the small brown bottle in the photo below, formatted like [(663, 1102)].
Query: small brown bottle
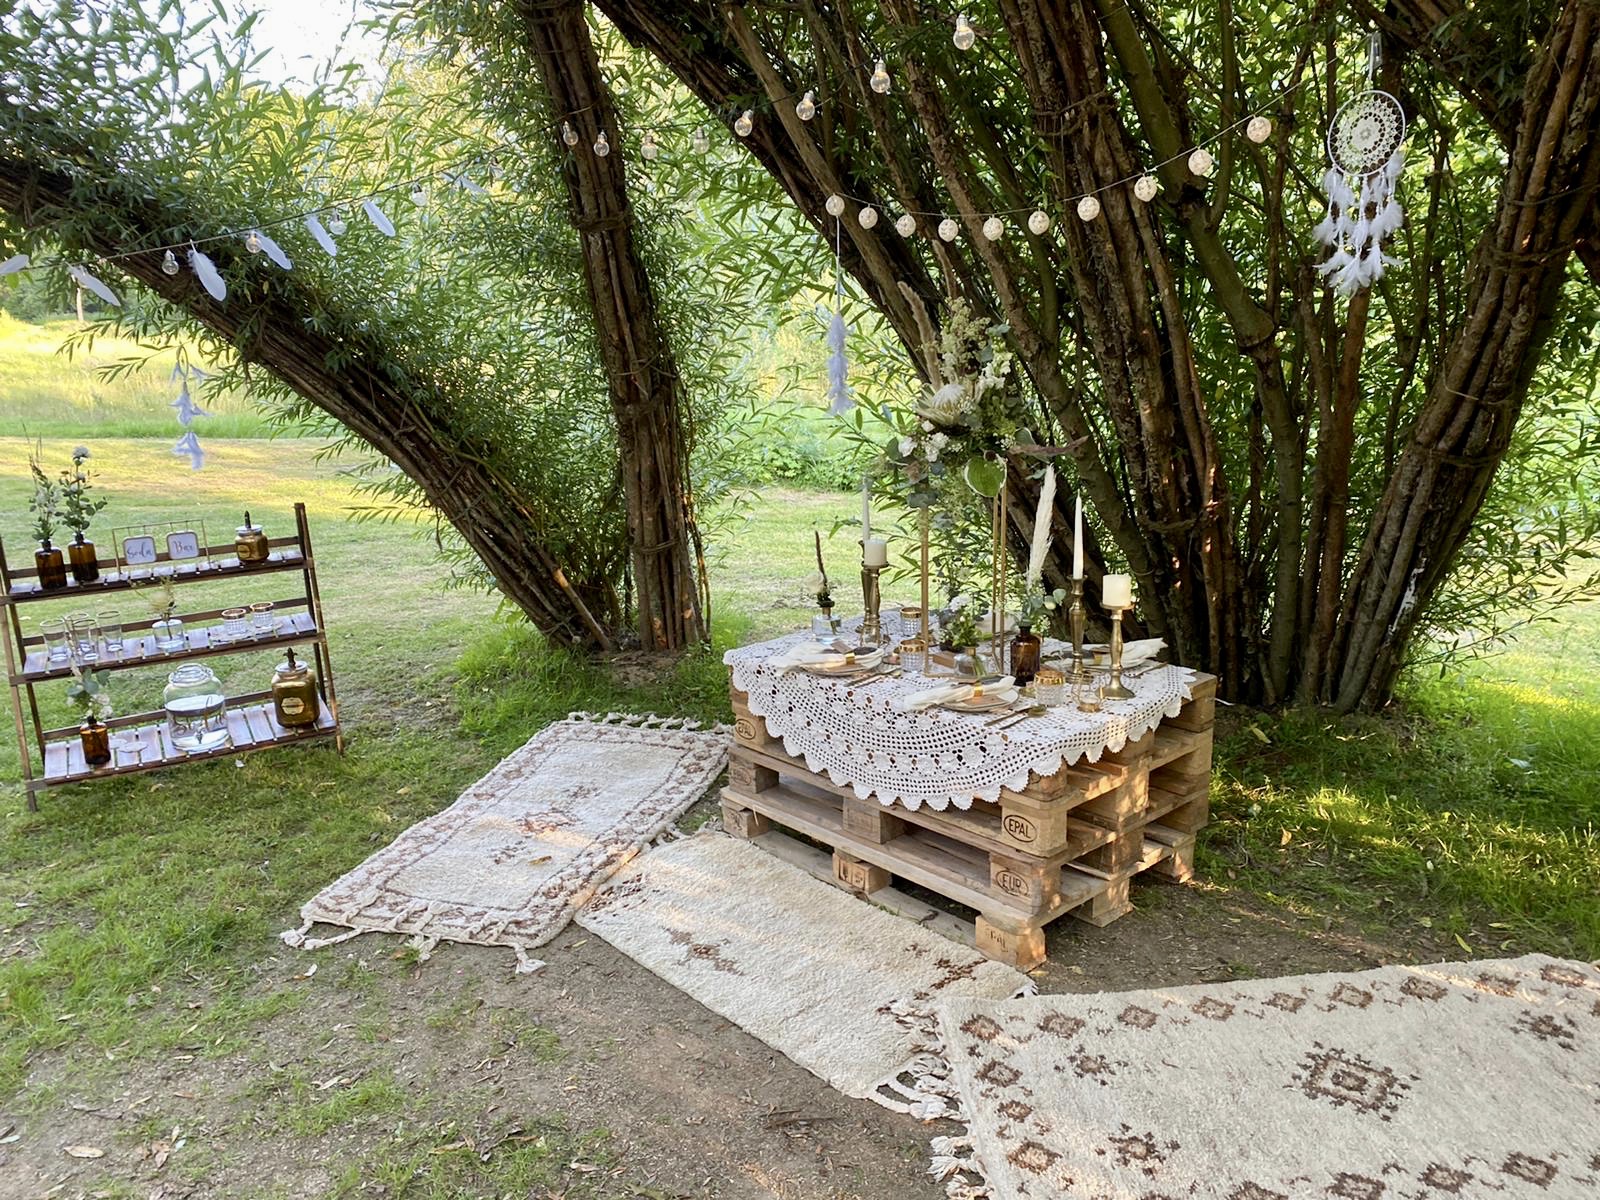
[(295, 700)]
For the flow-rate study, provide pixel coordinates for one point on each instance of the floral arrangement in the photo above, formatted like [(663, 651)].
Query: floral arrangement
[(819, 581), (159, 596), (966, 425), (45, 503), (88, 693), (960, 627), (77, 506)]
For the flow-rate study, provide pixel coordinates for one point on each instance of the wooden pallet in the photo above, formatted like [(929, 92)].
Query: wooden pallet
[(1066, 843)]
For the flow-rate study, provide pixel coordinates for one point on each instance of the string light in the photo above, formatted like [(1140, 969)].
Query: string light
[(700, 141), (868, 217), (336, 223), (169, 263), (601, 146), (807, 108), (648, 150), (835, 205), (419, 196), (993, 228), (1146, 187), (964, 36), (1039, 221), (948, 229), (745, 123), (1088, 208), (569, 135), (905, 225), (1201, 162), (252, 242), (1259, 129), (880, 78)]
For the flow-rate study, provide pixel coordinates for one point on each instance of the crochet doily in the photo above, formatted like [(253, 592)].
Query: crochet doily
[(856, 737)]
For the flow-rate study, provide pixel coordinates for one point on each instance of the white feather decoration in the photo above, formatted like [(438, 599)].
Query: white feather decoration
[(206, 272), (273, 251), (838, 366), (460, 179), (189, 445), (375, 215), (1042, 520), (13, 264), (315, 228), (188, 410), (87, 281)]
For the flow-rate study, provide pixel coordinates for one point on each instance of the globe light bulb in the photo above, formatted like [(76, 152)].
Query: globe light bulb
[(601, 146), (948, 229), (169, 263), (569, 135), (905, 225), (419, 197), (1039, 222), (648, 148), (745, 123), (868, 217), (994, 228), (1146, 187), (700, 141), (880, 78), (336, 224), (807, 108), (1088, 208), (252, 242), (835, 205), (1201, 163), (964, 35), (1258, 130)]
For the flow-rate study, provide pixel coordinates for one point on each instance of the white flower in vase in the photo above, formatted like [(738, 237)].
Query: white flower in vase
[(947, 405), (907, 447)]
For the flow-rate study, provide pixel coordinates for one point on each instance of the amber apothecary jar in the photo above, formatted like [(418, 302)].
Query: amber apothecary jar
[(250, 544), (295, 700), (96, 741), (52, 567), (85, 563), (1024, 655)]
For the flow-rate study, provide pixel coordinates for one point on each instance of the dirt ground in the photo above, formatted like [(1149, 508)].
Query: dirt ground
[(693, 1106)]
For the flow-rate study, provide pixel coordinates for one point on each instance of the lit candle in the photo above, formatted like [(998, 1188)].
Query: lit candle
[(875, 552), (1116, 591), (1077, 537), (866, 511)]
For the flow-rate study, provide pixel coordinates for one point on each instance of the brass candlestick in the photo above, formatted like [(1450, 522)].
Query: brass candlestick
[(1077, 672), (927, 632), (871, 625), (1116, 690)]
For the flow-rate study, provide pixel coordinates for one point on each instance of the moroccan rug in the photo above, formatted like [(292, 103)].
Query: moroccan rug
[(799, 964), (510, 861), (1406, 1083)]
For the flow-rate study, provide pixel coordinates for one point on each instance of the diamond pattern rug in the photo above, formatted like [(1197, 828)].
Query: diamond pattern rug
[(1405, 1083)]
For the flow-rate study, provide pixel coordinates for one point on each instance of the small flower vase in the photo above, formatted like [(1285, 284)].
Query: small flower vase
[(96, 741), (85, 563), (169, 635), (825, 626), (1025, 649), (968, 665), (51, 565)]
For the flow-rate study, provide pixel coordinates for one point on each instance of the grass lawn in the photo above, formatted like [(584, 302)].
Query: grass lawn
[(134, 914)]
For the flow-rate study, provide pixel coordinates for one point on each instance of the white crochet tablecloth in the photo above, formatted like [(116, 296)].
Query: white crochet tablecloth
[(855, 736)]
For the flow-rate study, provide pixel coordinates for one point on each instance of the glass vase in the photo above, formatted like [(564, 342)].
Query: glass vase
[(1025, 649), (825, 626), (85, 563), (169, 635)]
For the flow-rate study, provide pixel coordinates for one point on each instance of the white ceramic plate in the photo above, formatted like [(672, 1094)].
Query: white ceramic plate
[(987, 702)]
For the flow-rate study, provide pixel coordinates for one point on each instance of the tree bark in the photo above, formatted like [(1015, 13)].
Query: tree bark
[(646, 401)]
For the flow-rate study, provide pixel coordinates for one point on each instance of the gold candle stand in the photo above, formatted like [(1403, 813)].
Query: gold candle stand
[(1116, 689), (871, 622), (1077, 672), (927, 633)]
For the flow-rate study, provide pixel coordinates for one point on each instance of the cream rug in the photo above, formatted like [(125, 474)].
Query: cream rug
[(510, 861), (1406, 1083), (811, 971)]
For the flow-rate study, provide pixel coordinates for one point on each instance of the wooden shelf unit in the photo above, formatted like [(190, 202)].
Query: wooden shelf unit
[(51, 757)]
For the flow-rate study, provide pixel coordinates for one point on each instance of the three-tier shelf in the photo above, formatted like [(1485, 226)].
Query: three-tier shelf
[(51, 757)]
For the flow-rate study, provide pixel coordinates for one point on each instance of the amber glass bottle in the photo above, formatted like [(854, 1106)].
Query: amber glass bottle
[(1024, 655)]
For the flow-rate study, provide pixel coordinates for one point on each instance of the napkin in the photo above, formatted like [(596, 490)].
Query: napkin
[(818, 656), (945, 693), (1140, 651)]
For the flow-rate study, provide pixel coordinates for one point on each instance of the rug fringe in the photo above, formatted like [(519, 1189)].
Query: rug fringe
[(526, 965), (297, 938), (647, 721)]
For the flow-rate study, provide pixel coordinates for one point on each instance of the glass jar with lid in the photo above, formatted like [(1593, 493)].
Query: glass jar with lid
[(295, 700), (250, 543), (197, 710)]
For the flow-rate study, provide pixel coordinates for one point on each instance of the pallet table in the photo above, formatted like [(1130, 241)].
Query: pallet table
[(1069, 842), (52, 757)]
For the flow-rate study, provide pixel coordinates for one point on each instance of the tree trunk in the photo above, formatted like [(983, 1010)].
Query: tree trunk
[(651, 420)]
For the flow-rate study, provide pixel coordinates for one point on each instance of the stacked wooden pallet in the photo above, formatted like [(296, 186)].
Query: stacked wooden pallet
[(1067, 842)]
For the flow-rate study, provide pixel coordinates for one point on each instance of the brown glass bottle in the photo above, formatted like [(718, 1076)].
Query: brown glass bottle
[(52, 567), (1025, 649), (85, 563), (96, 741)]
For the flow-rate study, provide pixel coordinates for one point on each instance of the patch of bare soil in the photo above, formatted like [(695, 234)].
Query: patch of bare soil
[(383, 1070)]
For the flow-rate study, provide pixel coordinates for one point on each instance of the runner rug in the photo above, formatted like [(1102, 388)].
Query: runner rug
[(510, 861), (806, 968), (1406, 1083)]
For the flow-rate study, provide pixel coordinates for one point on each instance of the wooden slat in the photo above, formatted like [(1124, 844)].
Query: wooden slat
[(262, 727), (239, 729)]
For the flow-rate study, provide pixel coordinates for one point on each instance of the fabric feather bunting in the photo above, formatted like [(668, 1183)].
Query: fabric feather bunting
[(273, 251), (375, 214), (206, 272), (1043, 518), (189, 445), (89, 283), (318, 231), (839, 400), (13, 264), (1358, 224)]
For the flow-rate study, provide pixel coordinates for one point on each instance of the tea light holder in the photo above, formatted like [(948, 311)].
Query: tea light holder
[(1049, 687)]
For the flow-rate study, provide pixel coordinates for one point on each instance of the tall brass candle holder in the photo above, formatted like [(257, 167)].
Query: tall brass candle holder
[(871, 623), (1116, 689), (1077, 672)]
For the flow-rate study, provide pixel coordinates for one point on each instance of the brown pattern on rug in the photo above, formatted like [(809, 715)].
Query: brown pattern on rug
[(1404, 1083)]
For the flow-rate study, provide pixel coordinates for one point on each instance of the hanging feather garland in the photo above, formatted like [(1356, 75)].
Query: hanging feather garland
[(375, 214), (316, 229), (13, 264), (206, 272), (839, 401), (90, 284), (189, 445), (188, 410), (272, 250)]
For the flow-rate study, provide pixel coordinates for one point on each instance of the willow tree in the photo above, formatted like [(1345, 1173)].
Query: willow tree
[(1291, 476)]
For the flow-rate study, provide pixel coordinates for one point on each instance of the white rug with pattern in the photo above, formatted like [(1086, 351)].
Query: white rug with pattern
[(1405, 1083), (525, 846)]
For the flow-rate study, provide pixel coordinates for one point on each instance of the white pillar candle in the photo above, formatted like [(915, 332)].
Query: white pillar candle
[(1116, 591), (866, 511), (1077, 537), (875, 552)]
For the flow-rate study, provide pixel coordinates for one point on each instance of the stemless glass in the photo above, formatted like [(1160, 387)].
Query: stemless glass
[(110, 622), (235, 624), (263, 623), (83, 637), (56, 650)]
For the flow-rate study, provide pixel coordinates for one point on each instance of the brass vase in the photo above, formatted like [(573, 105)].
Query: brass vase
[(52, 567), (85, 563)]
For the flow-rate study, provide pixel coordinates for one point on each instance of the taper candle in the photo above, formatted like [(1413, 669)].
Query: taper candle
[(1116, 591), (1077, 537), (866, 511)]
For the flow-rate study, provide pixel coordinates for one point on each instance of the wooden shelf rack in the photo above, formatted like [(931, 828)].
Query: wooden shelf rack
[(51, 757)]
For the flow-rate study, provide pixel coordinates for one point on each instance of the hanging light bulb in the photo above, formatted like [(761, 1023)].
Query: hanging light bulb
[(880, 78), (948, 229), (1039, 222), (835, 205), (601, 146), (1146, 187), (905, 225), (252, 242), (569, 135), (419, 196), (964, 35), (868, 217), (994, 228), (807, 108), (336, 223), (1259, 129), (169, 263), (700, 141), (648, 148), (1088, 208), (1201, 162), (745, 123)]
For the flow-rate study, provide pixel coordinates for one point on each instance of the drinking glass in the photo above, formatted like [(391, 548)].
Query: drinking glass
[(263, 624), (56, 649), (235, 624), (110, 622), (83, 637)]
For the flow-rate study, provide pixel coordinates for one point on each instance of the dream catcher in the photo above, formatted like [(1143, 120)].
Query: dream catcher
[(1366, 149)]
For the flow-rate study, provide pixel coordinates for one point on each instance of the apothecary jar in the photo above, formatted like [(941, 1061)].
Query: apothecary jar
[(197, 711)]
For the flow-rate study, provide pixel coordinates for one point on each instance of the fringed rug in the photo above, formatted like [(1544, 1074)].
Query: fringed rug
[(1406, 1083), (510, 861), (799, 964)]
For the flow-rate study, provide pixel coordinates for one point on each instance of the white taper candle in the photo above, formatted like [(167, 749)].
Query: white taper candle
[(1077, 537)]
